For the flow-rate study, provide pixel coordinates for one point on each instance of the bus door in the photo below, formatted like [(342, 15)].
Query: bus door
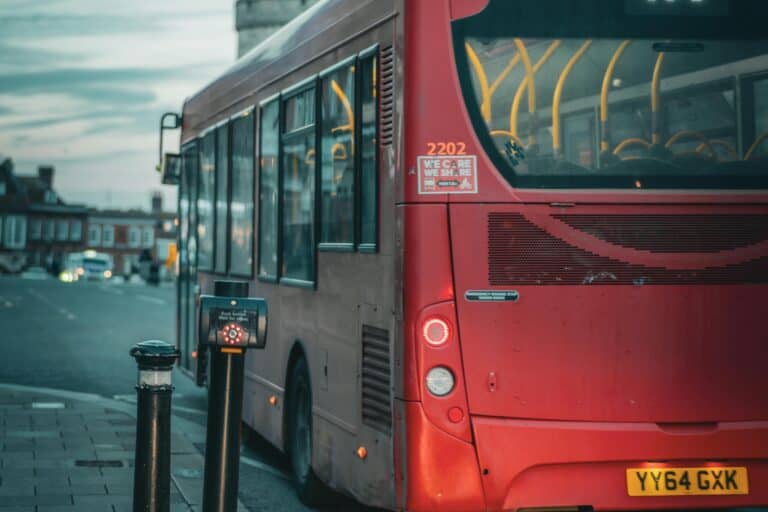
[(187, 283)]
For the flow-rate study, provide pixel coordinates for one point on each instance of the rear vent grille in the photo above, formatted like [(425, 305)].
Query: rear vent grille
[(521, 253), (387, 95), (377, 397), (674, 233)]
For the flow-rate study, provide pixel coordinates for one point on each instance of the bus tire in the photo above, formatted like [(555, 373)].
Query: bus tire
[(299, 431)]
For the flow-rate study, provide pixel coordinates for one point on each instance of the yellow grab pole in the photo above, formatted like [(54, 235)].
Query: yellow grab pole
[(557, 99), (529, 84), (656, 101), (483, 78), (604, 139)]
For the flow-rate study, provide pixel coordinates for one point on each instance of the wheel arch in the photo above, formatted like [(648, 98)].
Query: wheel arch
[(298, 351)]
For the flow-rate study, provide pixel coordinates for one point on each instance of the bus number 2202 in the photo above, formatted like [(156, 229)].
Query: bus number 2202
[(446, 148)]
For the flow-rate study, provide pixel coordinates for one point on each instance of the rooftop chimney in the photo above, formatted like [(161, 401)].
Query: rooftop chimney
[(45, 173), (157, 202)]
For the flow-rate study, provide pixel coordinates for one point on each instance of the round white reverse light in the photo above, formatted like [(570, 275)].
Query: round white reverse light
[(440, 381)]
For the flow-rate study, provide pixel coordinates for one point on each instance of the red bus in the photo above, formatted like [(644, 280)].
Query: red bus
[(515, 251)]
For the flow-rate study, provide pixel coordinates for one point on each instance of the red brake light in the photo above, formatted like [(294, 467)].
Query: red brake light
[(436, 331)]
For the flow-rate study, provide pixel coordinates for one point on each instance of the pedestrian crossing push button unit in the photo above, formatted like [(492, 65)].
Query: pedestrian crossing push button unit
[(233, 321)]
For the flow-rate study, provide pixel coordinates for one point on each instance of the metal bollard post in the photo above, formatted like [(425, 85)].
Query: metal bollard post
[(152, 467), (225, 413)]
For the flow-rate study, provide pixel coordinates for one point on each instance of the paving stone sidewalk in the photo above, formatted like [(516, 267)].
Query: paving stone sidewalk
[(63, 451)]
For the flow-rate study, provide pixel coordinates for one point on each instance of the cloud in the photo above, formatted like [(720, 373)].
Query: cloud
[(26, 25), (81, 81), (84, 82)]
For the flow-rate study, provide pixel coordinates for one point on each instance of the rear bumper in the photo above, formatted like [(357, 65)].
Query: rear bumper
[(567, 464)]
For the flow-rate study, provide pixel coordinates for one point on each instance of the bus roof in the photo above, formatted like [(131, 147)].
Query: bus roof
[(307, 37)]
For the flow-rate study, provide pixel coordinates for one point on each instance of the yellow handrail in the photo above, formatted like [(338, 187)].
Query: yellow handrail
[(347, 108), (755, 146), (630, 142), (604, 140), (720, 143), (656, 100), (529, 83), (483, 78), (488, 91), (556, 134)]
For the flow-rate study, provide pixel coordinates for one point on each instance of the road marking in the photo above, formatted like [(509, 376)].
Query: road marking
[(42, 298), (153, 300), (112, 290)]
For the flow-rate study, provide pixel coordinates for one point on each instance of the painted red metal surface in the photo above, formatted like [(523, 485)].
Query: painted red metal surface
[(543, 463), (601, 348), (573, 383), (442, 471)]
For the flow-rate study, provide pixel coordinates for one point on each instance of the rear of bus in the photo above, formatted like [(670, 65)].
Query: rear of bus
[(586, 254)]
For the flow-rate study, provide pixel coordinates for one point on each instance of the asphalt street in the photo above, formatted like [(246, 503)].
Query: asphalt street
[(76, 337)]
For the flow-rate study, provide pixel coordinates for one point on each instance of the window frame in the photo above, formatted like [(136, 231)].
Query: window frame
[(72, 231), (35, 229), (94, 241), (338, 246), (216, 221), (310, 83), (199, 144), (274, 279), (108, 228), (250, 111), (134, 230), (372, 52)]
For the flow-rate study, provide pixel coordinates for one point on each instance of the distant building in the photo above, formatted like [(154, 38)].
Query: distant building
[(132, 236), (37, 228), (255, 20)]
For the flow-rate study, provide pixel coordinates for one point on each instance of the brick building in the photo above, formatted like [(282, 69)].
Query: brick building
[(132, 236), (37, 228)]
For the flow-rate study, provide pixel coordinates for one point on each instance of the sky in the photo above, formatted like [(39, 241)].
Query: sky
[(83, 84)]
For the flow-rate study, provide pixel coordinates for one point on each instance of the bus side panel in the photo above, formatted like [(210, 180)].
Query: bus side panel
[(354, 291)]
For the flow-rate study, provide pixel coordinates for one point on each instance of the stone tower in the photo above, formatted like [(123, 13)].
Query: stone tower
[(255, 20)]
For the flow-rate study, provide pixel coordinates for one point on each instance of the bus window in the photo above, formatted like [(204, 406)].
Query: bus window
[(580, 138), (337, 171), (665, 109), (268, 184), (241, 209), (761, 118), (712, 111), (205, 214), (369, 200), (222, 197), (298, 190)]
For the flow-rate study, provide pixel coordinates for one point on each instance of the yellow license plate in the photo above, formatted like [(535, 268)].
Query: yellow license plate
[(712, 481)]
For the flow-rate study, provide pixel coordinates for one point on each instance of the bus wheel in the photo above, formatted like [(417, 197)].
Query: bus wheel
[(299, 446)]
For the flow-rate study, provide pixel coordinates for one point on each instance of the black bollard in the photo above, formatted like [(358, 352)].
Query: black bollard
[(225, 413), (152, 467)]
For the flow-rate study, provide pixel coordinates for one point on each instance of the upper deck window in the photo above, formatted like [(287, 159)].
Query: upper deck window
[(369, 154), (222, 198), (615, 97), (337, 171), (269, 147), (241, 209), (205, 199), (298, 189)]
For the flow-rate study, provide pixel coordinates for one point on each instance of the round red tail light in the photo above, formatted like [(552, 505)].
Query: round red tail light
[(436, 331)]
